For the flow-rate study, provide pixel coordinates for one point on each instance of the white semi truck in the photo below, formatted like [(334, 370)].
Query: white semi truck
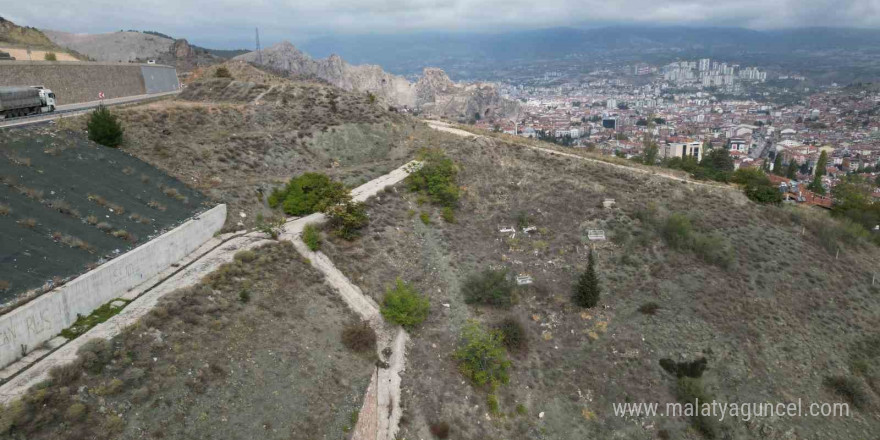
[(22, 101)]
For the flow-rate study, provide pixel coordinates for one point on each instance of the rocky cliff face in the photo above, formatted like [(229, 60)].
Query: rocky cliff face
[(434, 94)]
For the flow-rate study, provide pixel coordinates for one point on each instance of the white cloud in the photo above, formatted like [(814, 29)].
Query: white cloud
[(224, 22)]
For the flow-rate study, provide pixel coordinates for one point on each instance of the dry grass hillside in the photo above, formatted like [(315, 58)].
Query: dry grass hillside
[(253, 351), (687, 272), (237, 139)]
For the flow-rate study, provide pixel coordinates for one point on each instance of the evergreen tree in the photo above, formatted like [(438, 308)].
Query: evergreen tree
[(822, 164), (777, 165), (816, 185), (104, 128), (791, 173), (587, 291)]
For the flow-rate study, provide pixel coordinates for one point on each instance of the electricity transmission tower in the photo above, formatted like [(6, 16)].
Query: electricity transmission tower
[(259, 50)]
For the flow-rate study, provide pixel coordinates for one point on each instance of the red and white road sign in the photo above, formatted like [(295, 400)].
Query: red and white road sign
[(100, 95)]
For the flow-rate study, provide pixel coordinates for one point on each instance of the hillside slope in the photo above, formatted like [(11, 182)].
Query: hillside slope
[(236, 140), (687, 272), (21, 35)]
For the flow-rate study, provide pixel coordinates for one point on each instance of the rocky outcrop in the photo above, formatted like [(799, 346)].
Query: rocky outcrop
[(182, 50), (434, 94)]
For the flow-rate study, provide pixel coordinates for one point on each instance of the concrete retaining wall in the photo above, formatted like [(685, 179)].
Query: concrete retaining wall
[(159, 79), (43, 318), (81, 82)]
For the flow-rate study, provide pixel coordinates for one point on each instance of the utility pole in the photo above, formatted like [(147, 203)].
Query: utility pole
[(259, 50)]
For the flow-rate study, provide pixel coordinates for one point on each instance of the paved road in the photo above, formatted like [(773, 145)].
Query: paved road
[(77, 109)]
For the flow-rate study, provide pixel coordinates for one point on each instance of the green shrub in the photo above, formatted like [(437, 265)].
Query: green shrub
[(649, 308), (677, 231), (222, 72), (515, 336), (437, 178), (494, 405), (309, 193), (104, 128), (347, 219), (244, 296), (490, 287), (850, 388), (404, 306), (693, 369), (245, 256), (271, 226), (425, 218), (50, 56), (757, 186), (359, 337), (440, 430), (688, 390), (448, 214), (481, 356), (587, 290), (75, 412), (312, 237)]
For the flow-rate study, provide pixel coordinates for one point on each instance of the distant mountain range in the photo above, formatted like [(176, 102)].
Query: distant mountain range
[(408, 54)]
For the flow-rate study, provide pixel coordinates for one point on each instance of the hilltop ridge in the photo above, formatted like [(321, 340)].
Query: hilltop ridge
[(434, 94)]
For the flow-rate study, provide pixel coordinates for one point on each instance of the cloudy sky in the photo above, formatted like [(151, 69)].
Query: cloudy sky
[(230, 23)]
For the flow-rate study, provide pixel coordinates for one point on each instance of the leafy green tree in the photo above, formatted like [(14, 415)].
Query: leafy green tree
[(587, 290), (852, 199), (481, 356), (404, 306), (757, 186), (104, 128)]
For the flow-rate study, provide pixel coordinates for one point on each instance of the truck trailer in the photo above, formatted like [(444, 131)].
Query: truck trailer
[(22, 101)]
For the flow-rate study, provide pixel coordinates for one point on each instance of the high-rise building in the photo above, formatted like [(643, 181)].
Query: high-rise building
[(705, 63)]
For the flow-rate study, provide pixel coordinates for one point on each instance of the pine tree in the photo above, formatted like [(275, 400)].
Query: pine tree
[(816, 185), (821, 164), (791, 173), (587, 291), (777, 165), (104, 128)]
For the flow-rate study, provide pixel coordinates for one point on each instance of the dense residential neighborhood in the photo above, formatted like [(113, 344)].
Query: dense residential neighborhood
[(678, 107)]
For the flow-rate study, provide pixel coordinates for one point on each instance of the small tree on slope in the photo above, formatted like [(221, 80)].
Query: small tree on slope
[(104, 128), (587, 291)]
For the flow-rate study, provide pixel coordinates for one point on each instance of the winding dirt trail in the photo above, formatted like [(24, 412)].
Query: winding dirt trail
[(379, 417), (449, 128)]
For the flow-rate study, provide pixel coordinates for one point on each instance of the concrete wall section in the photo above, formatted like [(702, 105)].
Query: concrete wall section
[(159, 79), (82, 81), (41, 319)]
